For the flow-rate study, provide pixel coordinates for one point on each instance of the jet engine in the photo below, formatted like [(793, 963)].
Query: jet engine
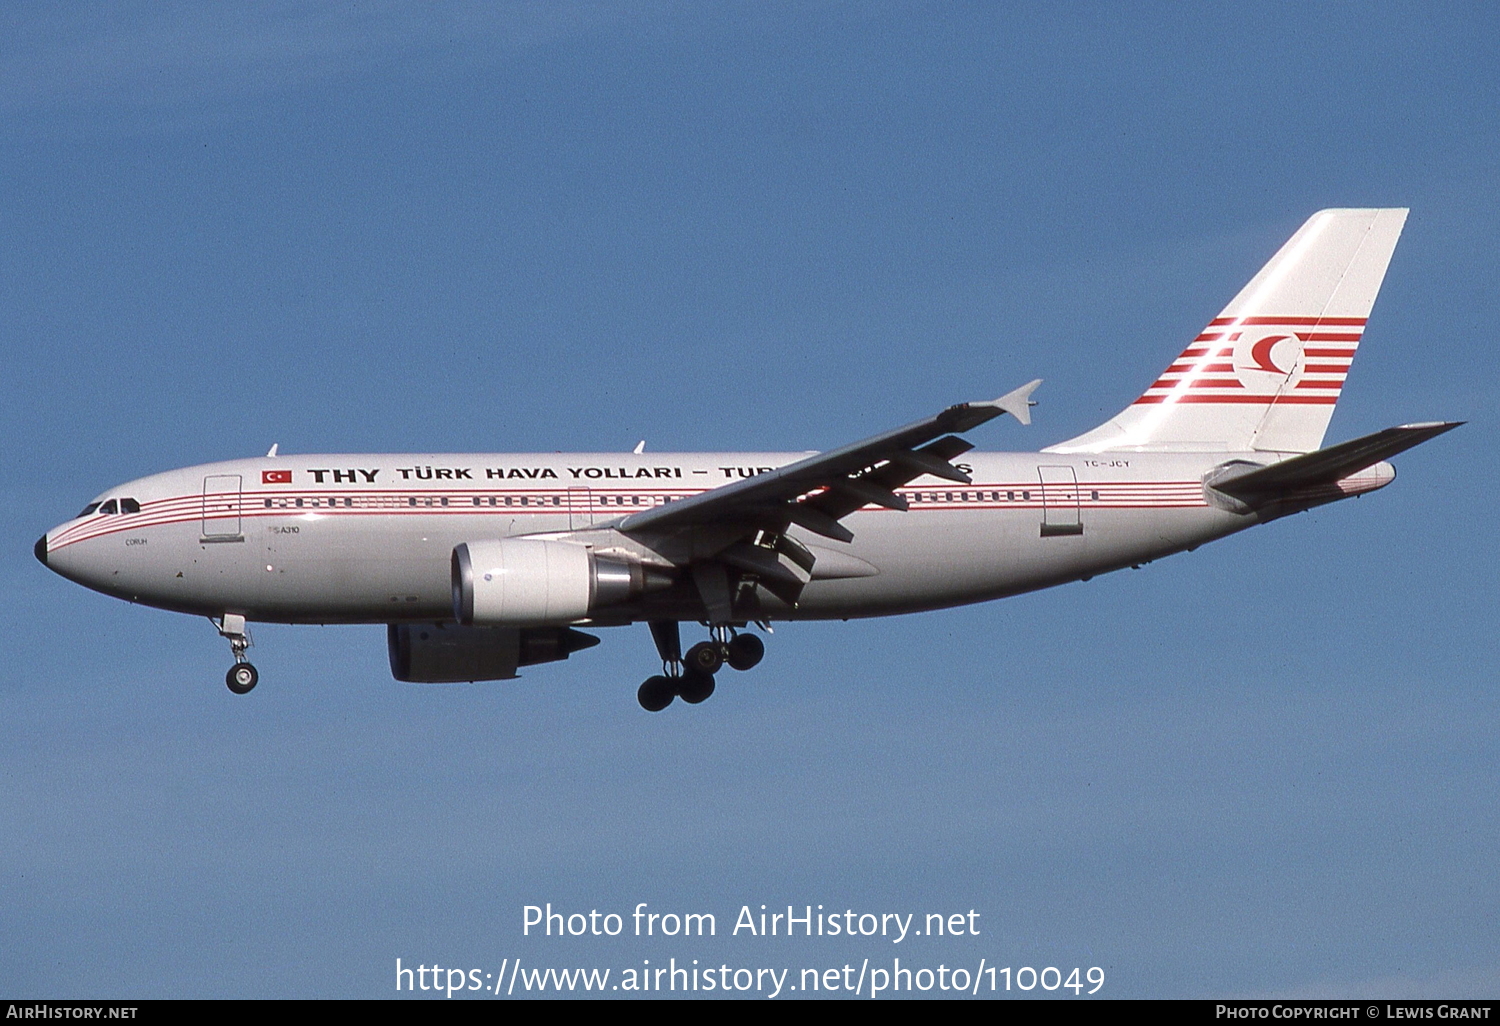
[(525, 582), (449, 654)]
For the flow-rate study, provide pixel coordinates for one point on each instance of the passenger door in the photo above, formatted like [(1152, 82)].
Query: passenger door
[(1060, 515), (221, 507)]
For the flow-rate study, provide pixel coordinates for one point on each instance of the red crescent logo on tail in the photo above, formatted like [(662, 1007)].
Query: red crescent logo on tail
[(1260, 353)]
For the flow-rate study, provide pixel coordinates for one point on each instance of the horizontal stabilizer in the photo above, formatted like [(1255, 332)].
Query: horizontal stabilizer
[(1326, 466)]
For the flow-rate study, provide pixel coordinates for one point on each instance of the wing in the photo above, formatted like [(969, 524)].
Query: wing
[(739, 529)]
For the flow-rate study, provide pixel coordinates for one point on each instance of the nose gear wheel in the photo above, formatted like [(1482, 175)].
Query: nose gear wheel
[(242, 678)]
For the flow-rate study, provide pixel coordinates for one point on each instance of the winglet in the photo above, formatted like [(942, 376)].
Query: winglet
[(1018, 403)]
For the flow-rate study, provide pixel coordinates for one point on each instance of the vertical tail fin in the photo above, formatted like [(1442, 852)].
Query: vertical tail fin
[(1265, 374)]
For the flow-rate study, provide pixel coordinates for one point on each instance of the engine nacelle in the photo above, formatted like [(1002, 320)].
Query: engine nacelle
[(524, 582), (450, 654)]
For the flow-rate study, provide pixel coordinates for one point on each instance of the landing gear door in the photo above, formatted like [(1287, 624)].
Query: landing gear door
[(221, 507), (580, 509), (1059, 502)]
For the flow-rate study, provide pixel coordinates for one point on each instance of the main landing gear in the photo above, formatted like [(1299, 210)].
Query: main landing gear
[(691, 677), (242, 676)]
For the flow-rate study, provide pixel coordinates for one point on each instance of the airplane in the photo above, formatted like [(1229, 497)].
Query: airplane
[(482, 564)]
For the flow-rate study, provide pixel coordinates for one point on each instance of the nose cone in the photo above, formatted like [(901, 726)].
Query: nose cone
[(41, 549)]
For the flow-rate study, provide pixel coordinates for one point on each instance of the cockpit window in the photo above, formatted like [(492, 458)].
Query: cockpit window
[(109, 507), (129, 506), (89, 509)]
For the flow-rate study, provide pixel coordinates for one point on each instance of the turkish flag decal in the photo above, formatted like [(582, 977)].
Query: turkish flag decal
[(275, 477)]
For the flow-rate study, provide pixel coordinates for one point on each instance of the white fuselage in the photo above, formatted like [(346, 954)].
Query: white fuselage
[(369, 538)]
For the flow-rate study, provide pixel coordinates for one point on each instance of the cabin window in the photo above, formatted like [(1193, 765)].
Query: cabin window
[(412, 501), (1095, 494), (445, 500)]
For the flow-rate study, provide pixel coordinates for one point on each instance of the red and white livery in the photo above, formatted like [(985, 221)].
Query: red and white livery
[(484, 563)]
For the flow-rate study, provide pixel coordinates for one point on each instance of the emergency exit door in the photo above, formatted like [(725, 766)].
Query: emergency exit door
[(580, 509)]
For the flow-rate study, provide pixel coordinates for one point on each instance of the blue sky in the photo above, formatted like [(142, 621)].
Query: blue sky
[(1267, 767)]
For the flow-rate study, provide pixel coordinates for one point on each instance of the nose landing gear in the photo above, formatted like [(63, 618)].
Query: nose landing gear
[(242, 676), (691, 678)]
